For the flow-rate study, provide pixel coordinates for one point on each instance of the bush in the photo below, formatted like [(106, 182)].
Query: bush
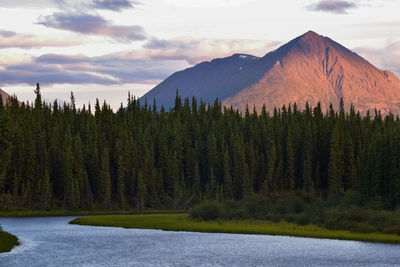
[(302, 219), (288, 206), (344, 216), (394, 229), (207, 211), (375, 204), (232, 210), (362, 227), (352, 198)]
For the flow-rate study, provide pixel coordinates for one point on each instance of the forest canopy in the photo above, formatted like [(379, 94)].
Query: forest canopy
[(58, 156)]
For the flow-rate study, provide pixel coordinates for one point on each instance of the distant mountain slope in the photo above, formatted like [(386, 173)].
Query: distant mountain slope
[(309, 68), (203, 79), (4, 96)]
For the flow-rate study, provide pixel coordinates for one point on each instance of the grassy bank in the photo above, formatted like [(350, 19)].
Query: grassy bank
[(7, 241), (38, 213), (182, 222)]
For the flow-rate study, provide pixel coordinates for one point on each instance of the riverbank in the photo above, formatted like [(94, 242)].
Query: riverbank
[(39, 213), (182, 222), (7, 241)]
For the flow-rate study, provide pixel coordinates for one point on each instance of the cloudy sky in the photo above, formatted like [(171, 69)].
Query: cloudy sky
[(105, 48)]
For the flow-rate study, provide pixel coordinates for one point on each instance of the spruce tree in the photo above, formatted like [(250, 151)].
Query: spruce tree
[(335, 170)]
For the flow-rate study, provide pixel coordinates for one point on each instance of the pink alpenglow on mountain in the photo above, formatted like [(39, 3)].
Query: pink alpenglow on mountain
[(311, 68), (4, 96)]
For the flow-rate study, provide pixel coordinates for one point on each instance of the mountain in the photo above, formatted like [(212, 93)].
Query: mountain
[(311, 68), (4, 96)]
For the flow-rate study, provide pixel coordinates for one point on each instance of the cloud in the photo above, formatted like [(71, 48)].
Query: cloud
[(90, 5), (6, 34), (387, 57), (130, 70), (30, 74), (13, 39), (148, 65), (207, 3), (8, 58), (195, 50), (93, 25), (335, 6), (114, 5), (78, 69), (377, 30), (61, 59)]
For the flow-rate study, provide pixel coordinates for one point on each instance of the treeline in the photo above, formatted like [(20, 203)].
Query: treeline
[(60, 157)]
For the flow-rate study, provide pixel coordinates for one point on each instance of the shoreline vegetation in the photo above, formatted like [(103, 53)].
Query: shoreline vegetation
[(7, 241), (183, 222)]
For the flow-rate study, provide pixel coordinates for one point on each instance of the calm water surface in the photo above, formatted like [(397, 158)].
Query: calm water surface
[(53, 242)]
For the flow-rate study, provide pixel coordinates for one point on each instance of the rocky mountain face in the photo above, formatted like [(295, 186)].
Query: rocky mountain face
[(311, 68), (4, 96)]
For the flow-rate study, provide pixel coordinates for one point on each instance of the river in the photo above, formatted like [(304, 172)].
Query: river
[(51, 241)]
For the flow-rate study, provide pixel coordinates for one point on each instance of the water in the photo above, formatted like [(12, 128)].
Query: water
[(53, 242)]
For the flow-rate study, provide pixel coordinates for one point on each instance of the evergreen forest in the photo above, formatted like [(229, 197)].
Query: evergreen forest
[(57, 156)]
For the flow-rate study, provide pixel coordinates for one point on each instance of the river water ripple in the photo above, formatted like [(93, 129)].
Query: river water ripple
[(51, 241)]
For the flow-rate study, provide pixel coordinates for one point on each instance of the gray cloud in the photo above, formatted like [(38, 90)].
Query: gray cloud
[(90, 5), (114, 5), (7, 33), (195, 50), (335, 6), (78, 69), (27, 74), (94, 25), (150, 64), (60, 59), (136, 70)]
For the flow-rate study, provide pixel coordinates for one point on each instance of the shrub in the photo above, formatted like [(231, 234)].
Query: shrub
[(232, 210), (394, 229), (353, 198), (210, 210), (295, 205), (362, 227), (302, 219)]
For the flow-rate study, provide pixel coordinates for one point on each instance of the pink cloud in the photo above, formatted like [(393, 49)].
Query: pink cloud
[(12, 39)]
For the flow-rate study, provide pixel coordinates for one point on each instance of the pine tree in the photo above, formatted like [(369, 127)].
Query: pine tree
[(290, 166), (228, 187), (197, 182), (212, 186), (141, 192), (121, 182), (104, 187), (335, 170), (307, 162), (47, 192), (5, 147), (268, 184), (38, 100)]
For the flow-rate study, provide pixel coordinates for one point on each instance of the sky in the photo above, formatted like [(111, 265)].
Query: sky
[(107, 48)]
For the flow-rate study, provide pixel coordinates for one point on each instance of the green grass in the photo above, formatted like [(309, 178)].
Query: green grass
[(7, 241), (39, 213), (182, 222)]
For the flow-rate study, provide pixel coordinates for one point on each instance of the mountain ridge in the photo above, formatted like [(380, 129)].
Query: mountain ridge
[(310, 68), (4, 96)]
